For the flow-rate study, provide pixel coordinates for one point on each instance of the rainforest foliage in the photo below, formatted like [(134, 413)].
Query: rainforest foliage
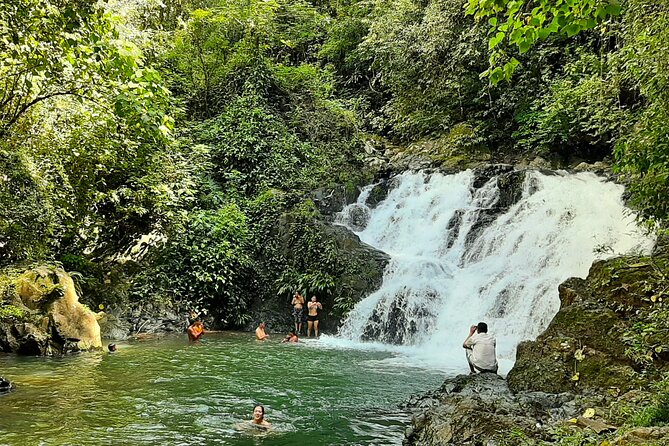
[(157, 147)]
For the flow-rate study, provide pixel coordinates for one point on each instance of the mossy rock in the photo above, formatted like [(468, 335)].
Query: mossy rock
[(52, 318), (458, 149), (586, 346)]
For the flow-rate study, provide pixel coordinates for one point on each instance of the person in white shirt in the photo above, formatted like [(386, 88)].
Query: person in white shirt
[(480, 349)]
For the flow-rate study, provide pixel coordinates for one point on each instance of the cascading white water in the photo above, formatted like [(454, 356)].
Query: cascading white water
[(449, 271)]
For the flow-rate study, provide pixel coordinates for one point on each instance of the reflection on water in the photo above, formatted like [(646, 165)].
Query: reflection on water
[(170, 393)]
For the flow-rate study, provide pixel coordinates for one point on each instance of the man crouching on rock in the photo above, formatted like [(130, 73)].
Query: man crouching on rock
[(480, 350)]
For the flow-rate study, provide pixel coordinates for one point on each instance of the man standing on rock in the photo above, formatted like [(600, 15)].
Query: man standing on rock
[(480, 349), (298, 309)]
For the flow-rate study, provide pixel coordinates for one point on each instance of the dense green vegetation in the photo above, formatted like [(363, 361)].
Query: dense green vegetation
[(167, 150)]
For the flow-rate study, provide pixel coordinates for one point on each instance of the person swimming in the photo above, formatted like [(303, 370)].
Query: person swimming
[(258, 419), (291, 337), (261, 335), (111, 347)]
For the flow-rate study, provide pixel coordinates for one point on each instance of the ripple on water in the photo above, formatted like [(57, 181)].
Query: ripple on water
[(168, 392)]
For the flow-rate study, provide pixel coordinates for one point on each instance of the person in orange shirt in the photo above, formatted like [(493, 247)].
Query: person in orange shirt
[(195, 331)]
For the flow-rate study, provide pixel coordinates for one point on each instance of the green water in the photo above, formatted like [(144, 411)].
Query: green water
[(167, 392)]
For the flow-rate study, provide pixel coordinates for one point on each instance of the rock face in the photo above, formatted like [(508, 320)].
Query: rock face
[(145, 320), (481, 410), (583, 349), (458, 150), (332, 200), (365, 275), (53, 321), (643, 436), (510, 185)]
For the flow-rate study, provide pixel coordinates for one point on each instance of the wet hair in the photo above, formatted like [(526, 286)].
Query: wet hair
[(482, 327), (111, 347), (261, 408)]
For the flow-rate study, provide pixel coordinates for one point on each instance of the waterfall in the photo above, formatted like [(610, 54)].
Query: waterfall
[(462, 252)]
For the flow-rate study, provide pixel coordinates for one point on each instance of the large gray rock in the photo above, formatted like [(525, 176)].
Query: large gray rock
[(481, 410), (583, 348)]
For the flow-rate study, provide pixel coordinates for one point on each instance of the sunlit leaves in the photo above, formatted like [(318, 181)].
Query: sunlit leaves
[(71, 48), (229, 50), (643, 155), (520, 24)]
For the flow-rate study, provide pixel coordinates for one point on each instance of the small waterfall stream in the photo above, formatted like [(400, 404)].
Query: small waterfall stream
[(459, 255)]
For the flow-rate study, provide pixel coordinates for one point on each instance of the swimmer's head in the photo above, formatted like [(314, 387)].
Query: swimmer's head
[(112, 347), (258, 413)]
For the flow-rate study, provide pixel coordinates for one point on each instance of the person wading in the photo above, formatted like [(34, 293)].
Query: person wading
[(291, 337), (195, 331), (312, 318), (261, 335)]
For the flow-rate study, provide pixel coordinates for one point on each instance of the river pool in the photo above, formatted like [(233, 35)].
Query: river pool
[(168, 392)]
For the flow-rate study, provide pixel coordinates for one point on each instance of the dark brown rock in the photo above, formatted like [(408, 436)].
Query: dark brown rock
[(5, 385)]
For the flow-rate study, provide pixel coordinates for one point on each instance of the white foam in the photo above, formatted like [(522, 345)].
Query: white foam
[(508, 276)]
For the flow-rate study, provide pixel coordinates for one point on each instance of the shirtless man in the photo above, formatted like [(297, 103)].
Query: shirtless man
[(260, 332), (312, 317), (298, 309)]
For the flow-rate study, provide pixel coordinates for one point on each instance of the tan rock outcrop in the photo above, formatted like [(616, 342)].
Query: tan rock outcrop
[(54, 322)]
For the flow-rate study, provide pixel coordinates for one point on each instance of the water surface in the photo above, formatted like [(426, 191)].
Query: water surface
[(167, 392)]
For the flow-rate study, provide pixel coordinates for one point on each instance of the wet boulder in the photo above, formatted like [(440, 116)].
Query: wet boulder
[(360, 274), (583, 350), (5, 385), (480, 409)]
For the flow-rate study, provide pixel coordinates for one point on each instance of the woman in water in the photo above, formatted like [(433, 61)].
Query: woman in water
[(291, 337), (259, 418)]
